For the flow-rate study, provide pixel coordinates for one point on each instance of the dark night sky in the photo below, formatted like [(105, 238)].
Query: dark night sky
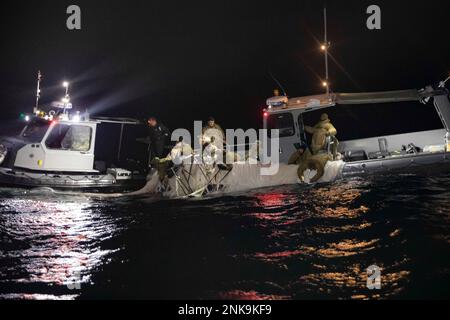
[(185, 60)]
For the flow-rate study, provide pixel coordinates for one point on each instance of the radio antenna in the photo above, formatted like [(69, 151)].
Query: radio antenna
[(278, 83), (325, 46), (38, 92)]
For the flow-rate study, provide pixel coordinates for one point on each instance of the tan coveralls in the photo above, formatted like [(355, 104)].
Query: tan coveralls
[(320, 132), (163, 164), (307, 161), (215, 131)]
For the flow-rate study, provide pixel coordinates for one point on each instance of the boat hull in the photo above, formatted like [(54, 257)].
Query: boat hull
[(427, 163), (65, 181)]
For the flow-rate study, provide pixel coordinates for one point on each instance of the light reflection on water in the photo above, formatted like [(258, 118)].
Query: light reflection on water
[(52, 241), (328, 203), (337, 231), (288, 242)]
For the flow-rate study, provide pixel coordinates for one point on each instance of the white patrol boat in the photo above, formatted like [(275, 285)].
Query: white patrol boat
[(423, 151), (426, 151), (56, 149)]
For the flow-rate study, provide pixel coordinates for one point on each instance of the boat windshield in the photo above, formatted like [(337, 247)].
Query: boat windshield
[(284, 122), (35, 130), (69, 137)]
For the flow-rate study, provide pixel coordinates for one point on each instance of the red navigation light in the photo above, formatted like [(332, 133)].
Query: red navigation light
[(265, 114)]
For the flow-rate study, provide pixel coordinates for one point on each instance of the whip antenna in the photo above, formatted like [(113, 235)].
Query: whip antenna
[(38, 92), (325, 46), (278, 83)]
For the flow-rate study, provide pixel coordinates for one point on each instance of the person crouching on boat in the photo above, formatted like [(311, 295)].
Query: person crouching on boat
[(300, 156), (213, 130), (159, 137), (180, 152), (305, 160), (322, 134), (213, 141)]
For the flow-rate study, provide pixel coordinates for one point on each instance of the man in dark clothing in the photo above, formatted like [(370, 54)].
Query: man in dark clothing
[(159, 137)]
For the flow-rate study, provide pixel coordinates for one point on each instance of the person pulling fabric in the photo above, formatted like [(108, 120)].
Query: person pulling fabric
[(215, 131), (320, 132), (305, 160), (177, 155)]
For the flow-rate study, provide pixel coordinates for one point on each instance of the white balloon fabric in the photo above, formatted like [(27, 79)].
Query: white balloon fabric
[(332, 172), (242, 177)]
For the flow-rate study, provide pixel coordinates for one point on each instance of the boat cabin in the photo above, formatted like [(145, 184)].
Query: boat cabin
[(71, 150), (65, 144)]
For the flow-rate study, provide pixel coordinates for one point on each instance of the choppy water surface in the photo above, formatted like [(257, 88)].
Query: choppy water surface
[(291, 242)]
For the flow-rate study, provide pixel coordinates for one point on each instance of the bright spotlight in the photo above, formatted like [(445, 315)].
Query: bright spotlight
[(76, 117), (65, 84)]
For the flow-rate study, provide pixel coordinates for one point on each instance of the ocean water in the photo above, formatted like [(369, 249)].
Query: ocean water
[(290, 242)]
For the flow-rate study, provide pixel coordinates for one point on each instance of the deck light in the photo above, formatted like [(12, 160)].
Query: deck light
[(323, 47), (325, 84), (66, 98), (76, 118)]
